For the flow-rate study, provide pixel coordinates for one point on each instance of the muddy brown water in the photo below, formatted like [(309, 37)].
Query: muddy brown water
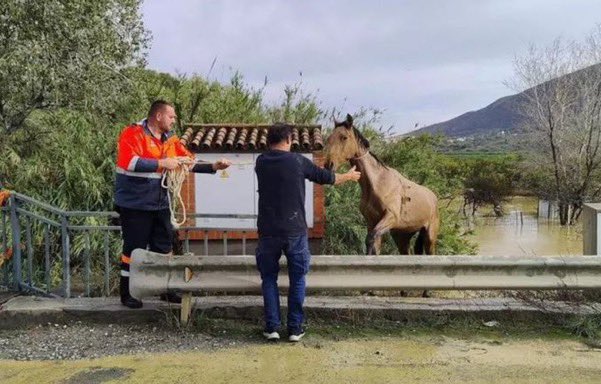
[(521, 233)]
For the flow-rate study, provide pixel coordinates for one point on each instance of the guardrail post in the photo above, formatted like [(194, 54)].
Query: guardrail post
[(591, 229), (186, 309), (16, 230), (65, 242)]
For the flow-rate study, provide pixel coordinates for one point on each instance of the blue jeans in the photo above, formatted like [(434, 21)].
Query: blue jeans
[(269, 251)]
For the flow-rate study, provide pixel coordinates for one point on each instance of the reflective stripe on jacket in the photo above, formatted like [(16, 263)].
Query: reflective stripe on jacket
[(138, 177)]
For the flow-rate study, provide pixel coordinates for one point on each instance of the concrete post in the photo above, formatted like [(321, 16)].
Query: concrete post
[(591, 229)]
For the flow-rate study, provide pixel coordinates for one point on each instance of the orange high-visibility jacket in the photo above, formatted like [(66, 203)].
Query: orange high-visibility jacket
[(138, 176)]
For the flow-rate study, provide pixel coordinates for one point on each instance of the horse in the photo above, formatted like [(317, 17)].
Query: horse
[(389, 201)]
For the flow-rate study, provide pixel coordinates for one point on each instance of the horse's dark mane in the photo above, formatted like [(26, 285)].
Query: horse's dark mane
[(365, 144), (378, 160), (361, 139)]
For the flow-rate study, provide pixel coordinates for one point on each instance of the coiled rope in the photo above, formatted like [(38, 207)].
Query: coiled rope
[(173, 180)]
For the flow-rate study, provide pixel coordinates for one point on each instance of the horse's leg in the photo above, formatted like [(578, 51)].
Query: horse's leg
[(370, 229), (421, 244), (378, 244), (368, 243), (402, 241), (426, 241), (418, 248), (373, 242), (430, 236), (374, 237)]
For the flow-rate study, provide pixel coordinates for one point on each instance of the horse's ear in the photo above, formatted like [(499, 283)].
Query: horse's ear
[(349, 121)]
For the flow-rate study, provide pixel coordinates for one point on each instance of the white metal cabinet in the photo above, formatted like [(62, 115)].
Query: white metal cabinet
[(231, 202)]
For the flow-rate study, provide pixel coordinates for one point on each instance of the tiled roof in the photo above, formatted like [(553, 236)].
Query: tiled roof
[(246, 137)]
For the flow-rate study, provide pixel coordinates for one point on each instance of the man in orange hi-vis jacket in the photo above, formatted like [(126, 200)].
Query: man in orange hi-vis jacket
[(145, 150)]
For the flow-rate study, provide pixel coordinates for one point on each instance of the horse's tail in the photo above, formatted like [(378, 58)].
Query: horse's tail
[(418, 248)]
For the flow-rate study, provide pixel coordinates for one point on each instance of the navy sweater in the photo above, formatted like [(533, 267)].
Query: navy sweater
[(281, 176)]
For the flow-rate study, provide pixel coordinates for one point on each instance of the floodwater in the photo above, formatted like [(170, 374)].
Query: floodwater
[(520, 233), (374, 360)]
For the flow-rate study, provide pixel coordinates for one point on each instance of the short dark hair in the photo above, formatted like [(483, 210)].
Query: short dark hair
[(278, 133), (157, 106)]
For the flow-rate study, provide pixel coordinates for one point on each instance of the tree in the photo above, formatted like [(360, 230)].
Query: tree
[(60, 53), (489, 180), (561, 87)]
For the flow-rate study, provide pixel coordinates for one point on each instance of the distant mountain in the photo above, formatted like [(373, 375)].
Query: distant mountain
[(502, 115)]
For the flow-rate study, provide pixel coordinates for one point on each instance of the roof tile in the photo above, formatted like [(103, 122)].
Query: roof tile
[(246, 137)]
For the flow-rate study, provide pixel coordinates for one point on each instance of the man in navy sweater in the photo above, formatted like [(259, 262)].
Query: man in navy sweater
[(282, 227)]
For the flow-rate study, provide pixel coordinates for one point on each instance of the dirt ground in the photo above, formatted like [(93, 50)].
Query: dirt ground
[(224, 355)]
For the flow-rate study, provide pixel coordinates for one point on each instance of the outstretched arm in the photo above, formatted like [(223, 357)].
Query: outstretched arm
[(186, 157), (221, 164), (211, 167), (351, 175), (324, 176)]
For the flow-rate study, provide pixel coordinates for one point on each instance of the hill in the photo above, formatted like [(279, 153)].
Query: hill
[(501, 117)]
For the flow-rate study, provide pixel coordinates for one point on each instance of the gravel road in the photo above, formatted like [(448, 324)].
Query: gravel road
[(52, 341)]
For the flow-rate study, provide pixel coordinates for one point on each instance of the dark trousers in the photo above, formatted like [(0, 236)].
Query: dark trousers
[(143, 229), (269, 251)]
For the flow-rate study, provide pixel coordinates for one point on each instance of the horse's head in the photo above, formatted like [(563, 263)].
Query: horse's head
[(343, 144)]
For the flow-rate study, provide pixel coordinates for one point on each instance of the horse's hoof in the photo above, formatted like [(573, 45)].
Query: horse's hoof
[(403, 293), (425, 294)]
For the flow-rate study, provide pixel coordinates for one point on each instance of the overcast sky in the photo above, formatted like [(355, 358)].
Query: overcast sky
[(422, 61)]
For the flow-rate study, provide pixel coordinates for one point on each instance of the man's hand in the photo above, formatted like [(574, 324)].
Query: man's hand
[(351, 175), (221, 164), (185, 160), (169, 163)]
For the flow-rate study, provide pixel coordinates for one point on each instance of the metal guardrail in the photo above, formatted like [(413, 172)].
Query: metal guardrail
[(153, 273), (41, 238), (51, 247)]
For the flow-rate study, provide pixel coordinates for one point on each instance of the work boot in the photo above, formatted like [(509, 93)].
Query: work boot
[(131, 302), (171, 297), (126, 298)]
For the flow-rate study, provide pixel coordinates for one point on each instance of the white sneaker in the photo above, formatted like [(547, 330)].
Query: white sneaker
[(271, 336), (294, 337)]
